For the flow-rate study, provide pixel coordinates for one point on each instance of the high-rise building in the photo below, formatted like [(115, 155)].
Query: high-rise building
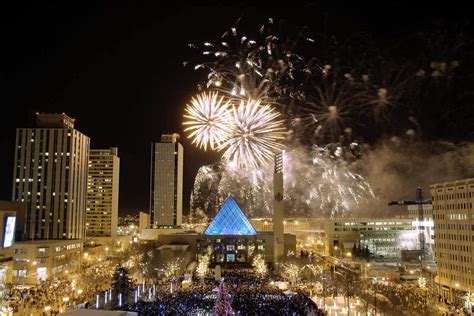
[(453, 216), (102, 193), (50, 175), (166, 182)]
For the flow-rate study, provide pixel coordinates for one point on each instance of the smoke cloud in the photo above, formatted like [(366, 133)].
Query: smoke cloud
[(395, 168)]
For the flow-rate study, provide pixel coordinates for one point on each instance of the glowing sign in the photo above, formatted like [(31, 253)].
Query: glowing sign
[(9, 231)]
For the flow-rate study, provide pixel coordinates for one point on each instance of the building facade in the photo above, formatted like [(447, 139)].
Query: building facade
[(102, 193), (50, 175), (454, 237), (166, 182), (385, 237), (143, 221), (11, 222), (39, 260)]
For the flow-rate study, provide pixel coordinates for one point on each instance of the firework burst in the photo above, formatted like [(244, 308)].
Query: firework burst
[(255, 134), (387, 89), (331, 109), (207, 120), (263, 65)]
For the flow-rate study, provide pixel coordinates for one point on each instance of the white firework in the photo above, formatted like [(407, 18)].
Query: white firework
[(254, 136), (208, 115)]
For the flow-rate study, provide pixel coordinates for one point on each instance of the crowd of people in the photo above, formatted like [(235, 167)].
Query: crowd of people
[(402, 296), (48, 294), (248, 295)]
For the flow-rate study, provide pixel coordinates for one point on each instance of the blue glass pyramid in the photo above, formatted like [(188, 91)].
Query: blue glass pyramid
[(230, 220)]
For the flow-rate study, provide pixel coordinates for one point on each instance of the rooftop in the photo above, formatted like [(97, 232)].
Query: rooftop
[(54, 120), (48, 242)]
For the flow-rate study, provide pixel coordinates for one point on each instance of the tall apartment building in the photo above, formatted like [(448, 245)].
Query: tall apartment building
[(454, 238), (102, 193), (166, 182), (50, 175)]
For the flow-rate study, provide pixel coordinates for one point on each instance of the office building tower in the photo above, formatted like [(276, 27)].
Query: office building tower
[(102, 193), (166, 182), (453, 216), (50, 175)]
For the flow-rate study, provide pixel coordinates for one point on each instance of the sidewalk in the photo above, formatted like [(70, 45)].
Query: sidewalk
[(337, 306)]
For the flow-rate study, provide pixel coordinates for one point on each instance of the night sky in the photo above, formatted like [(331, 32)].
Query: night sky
[(116, 67)]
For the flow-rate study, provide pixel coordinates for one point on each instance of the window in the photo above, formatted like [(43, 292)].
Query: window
[(41, 250), (230, 257), (241, 257), (219, 258), (42, 274), (20, 251)]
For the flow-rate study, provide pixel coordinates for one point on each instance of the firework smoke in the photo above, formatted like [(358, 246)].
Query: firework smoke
[(317, 183), (396, 167)]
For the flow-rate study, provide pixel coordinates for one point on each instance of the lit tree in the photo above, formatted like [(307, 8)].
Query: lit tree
[(148, 262), (121, 284), (291, 271), (349, 285), (315, 269), (259, 265), (222, 306), (172, 268), (203, 264)]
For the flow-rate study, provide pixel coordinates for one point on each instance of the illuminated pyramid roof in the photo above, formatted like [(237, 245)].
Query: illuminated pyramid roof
[(230, 220)]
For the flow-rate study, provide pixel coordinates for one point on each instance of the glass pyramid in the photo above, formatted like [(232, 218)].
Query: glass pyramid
[(230, 220)]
